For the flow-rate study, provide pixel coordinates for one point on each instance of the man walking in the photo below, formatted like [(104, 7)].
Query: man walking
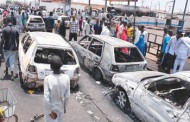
[(182, 53), (49, 23), (56, 92), (10, 41), (170, 51), (73, 29)]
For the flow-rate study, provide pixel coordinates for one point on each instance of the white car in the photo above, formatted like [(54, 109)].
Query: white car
[(154, 96), (35, 23), (66, 18), (35, 52)]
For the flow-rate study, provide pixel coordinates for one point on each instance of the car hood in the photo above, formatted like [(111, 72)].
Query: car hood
[(139, 75), (184, 73)]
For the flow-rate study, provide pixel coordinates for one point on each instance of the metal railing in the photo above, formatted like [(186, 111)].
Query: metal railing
[(154, 44)]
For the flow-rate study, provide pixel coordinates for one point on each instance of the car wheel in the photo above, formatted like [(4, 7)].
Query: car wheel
[(122, 100), (98, 75)]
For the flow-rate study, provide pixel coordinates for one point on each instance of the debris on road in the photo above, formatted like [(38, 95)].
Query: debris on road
[(90, 112), (98, 82)]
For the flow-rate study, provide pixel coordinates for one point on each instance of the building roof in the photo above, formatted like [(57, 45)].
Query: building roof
[(50, 39), (114, 41)]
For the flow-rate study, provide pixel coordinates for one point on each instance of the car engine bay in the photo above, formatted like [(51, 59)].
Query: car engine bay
[(172, 90)]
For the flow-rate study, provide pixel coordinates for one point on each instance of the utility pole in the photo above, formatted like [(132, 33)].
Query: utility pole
[(172, 12), (134, 20), (105, 9), (89, 3), (184, 14)]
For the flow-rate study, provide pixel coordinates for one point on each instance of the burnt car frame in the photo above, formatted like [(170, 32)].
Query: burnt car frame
[(103, 56), (154, 96)]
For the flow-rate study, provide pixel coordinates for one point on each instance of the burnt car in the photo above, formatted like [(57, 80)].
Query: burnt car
[(154, 96), (35, 52), (104, 56)]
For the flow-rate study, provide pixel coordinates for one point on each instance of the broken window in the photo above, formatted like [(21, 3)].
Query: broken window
[(36, 20), (173, 90), (127, 54), (85, 41), (44, 55), (96, 47), (27, 44)]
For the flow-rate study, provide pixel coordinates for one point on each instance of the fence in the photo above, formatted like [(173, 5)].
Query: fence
[(154, 44)]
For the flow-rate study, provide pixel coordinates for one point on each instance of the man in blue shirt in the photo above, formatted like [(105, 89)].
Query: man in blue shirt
[(166, 40), (49, 23)]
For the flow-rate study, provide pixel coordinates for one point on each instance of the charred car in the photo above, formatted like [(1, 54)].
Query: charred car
[(35, 52), (105, 56), (154, 96)]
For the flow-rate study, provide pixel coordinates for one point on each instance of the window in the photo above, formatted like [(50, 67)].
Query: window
[(24, 39), (85, 41), (66, 18), (127, 54), (44, 55), (173, 90), (96, 47), (27, 44), (36, 20)]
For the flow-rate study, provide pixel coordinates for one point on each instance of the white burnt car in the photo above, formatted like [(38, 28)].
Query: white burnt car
[(105, 56), (35, 52), (154, 96)]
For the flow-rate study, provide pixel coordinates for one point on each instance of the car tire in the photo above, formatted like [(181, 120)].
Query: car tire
[(122, 100), (97, 75)]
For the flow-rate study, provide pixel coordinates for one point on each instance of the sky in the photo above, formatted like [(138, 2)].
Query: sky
[(179, 6)]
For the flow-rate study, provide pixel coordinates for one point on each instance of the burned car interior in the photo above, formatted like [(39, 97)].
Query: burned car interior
[(85, 41), (96, 47), (173, 90), (43, 55), (124, 55)]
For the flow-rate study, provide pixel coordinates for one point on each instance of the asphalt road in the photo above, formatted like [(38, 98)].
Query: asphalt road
[(87, 104)]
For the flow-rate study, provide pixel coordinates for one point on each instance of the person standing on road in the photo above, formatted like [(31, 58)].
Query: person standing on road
[(86, 28), (123, 35), (130, 32), (10, 41), (23, 21), (145, 36), (62, 30), (182, 53), (170, 51), (73, 29), (80, 26), (56, 92), (105, 30), (19, 21), (57, 26), (117, 28), (50, 22), (96, 27)]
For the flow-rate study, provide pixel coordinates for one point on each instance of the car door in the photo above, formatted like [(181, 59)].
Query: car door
[(81, 48), (153, 107), (94, 53)]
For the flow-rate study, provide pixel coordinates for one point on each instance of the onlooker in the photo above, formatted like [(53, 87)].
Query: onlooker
[(141, 44), (130, 32), (62, 30), (123, 35), (145, 36), (100, 28), (105, 30), (23, 21), (73, 29), (80, 26), (19, 21), (96, 27), (10, 41), (182, 52), (56, 92), (163, 56), (50, 23), (57, 26), (13, 18), (86, 28), (120, 30), (117, 28), (170, 51)]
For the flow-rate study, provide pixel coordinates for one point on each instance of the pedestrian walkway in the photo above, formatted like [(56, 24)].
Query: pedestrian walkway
[(151, 63)]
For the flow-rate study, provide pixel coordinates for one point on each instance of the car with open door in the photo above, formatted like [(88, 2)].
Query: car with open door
[(104, 56), (35, 52), (154, 96)]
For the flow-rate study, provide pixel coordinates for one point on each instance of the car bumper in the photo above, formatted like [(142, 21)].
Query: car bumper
[(35, 29)]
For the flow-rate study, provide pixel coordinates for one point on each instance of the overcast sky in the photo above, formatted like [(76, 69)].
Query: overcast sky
[(180, 4)]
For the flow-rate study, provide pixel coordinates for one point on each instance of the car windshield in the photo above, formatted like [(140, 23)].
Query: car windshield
[(66, 18), (127, 54), (43, 55), (36, 20)]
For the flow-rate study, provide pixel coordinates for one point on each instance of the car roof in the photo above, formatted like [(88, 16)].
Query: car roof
[(35, 16), (113, 41), (50, 39)]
